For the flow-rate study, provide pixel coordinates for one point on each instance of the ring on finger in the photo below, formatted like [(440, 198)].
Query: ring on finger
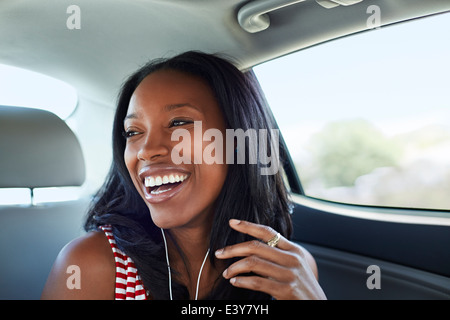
[(274, 241)]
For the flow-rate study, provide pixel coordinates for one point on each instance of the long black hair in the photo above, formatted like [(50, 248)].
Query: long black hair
[(245, 195)]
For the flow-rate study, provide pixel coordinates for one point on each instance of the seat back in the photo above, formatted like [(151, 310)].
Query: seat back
[(37, 149)]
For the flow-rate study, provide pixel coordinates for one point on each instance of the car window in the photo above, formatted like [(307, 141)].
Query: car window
[(367, 117), (42, 92)]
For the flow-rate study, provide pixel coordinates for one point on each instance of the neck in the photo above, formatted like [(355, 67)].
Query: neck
[(193, 238), (194, 245), (192, 242), (187, 256)]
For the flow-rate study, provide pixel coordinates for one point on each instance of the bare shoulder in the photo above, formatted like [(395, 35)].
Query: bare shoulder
[(84, 269)]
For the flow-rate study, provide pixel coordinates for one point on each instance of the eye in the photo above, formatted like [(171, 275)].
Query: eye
[(129, 133), (179, 122)]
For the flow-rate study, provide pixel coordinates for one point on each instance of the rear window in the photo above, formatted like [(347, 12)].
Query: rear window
[(25, 88), (367, 117)]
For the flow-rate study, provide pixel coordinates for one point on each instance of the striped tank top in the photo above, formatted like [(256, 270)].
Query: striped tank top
[(129, 285)]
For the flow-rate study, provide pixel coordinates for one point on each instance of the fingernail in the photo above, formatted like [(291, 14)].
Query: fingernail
[(219, 252), (235, 221), (233, 280), (224, 274)]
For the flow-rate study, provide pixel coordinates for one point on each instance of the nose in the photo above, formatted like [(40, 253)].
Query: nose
[(154, 146)]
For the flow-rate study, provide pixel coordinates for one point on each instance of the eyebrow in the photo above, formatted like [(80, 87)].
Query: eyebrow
[(131, 116), (167, 108), (171, 107)]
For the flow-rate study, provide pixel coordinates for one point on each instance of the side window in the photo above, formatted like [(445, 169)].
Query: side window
[(367, 117)]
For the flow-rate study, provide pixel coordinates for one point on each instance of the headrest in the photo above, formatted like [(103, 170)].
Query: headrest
[(38, 149)]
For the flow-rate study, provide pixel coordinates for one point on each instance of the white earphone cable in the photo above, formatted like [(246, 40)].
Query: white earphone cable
[(168, 264), (200, 274), (170, 274)]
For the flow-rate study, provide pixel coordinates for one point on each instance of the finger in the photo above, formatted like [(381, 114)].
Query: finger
[(259, 231), (259, 266), (266, 285), (259, 249)]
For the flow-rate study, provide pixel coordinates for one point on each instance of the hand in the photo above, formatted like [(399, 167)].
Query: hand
[(284, 272)]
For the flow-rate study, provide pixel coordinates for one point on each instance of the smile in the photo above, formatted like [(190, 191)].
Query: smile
[(161, 184)]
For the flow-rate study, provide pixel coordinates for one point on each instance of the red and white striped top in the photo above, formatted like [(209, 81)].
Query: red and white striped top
[(129, 285)]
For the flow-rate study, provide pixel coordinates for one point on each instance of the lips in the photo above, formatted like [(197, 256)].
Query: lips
[(158, 184), (161, 184)]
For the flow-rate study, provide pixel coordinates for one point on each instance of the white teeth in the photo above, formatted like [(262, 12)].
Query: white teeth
[(158, 192), (153, 181)]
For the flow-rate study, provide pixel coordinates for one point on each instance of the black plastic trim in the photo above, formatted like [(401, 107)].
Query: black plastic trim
[(424, 247)]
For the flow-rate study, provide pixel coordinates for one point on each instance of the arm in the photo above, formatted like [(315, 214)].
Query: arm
[(84, 269)]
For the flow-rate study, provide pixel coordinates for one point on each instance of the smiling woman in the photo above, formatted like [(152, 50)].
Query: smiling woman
[(160, 218), (148, 151)]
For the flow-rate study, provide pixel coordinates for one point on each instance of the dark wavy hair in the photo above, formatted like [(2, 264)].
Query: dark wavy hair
[(245, 195)]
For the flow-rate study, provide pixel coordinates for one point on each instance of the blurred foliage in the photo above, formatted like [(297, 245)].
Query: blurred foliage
[(346, 150), (354, 162)]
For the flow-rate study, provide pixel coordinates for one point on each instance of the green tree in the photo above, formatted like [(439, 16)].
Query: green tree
[(345, 150)]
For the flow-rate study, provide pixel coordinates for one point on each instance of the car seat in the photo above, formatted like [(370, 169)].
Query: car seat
[(37, 149)]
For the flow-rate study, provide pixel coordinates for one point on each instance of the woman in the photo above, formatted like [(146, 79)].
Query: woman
[(194, 229)]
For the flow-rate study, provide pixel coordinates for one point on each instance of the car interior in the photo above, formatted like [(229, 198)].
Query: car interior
[(364, 251)]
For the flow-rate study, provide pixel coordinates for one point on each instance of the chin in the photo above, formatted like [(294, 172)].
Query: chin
[(188, 216)]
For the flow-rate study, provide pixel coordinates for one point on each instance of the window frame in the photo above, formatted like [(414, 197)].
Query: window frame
[(413, 215)]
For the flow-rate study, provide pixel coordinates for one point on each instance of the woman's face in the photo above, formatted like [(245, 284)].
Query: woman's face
[(178, 195)]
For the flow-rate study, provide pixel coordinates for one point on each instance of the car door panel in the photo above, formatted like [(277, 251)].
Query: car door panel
[(413, 260)]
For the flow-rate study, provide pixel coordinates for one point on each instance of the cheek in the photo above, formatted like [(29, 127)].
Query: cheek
[(211, 180), (213, 170), (130, 159)]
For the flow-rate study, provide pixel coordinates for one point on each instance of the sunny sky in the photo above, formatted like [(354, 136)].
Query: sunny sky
[(395, 76)]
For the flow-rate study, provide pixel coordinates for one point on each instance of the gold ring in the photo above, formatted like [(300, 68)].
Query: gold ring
[(274, 241)]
